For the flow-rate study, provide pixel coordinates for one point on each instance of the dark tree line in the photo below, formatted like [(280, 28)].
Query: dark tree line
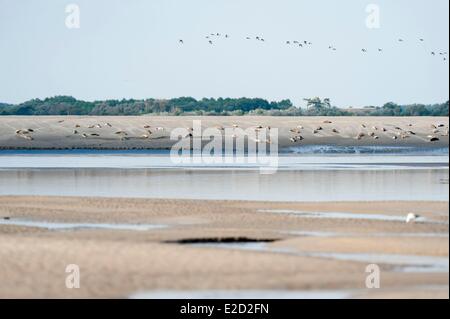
[(67, 105)]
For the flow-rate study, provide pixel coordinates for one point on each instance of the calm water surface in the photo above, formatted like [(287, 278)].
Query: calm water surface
[(310, 177)]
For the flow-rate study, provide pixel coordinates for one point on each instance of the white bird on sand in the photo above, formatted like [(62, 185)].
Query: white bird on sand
[(411, 218)]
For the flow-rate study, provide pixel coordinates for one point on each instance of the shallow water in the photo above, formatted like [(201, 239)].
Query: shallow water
[(338, 185), (241, 294), (402, 263), (79, 226), (134, 160), (322, 234), (277, 294), (152, 174), (339, 215)]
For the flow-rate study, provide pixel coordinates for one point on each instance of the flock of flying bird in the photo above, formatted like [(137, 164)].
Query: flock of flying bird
[(214, 36), (297, 134)]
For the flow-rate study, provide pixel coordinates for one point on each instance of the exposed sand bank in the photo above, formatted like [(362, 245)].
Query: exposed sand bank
[(57, 132), (120, 263)]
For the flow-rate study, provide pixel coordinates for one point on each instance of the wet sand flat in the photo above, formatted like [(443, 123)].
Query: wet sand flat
[(57, 132), (299, 255)]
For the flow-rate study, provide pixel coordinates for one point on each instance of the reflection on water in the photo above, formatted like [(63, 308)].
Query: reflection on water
[(339, 185)]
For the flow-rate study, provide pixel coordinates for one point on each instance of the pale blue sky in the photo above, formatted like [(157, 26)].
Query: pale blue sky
[(130, 49)]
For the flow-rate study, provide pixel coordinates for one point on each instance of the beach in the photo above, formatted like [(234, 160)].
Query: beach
[(132, 132), (185, 257), (210, 157), (139, 225)]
